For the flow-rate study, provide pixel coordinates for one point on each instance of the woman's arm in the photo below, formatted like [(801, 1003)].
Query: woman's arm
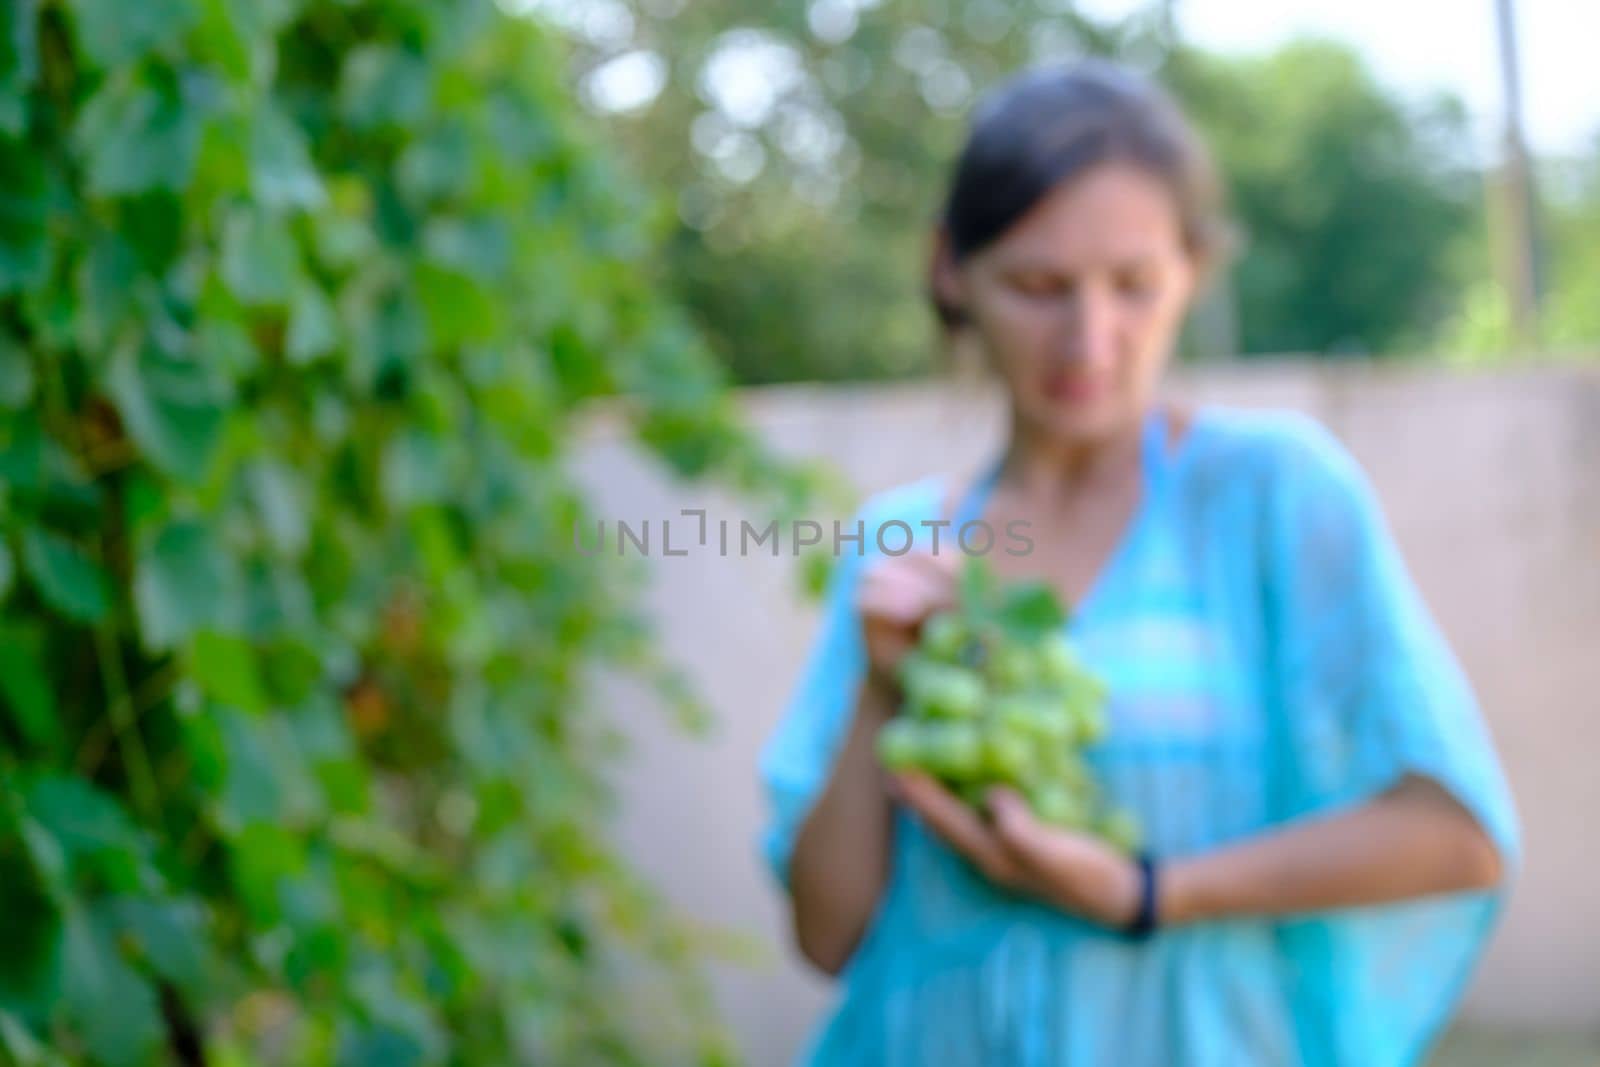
[(1413, 840), (840, 861), (841, 854)]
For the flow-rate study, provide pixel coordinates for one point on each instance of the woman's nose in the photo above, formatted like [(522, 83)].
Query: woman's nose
[(1089, 332)]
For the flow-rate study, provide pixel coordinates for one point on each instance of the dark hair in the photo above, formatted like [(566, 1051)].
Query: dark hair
[(1051, 123)]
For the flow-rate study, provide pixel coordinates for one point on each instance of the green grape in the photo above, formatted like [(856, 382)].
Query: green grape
[(1011, 667), (1074, 773), (1015, 713), (1007, 756), (1092, 723), (901, 744), (986, 705), (1060, 806), (1121, 829), (1058, 663), (954, 750), (1089, 689), (940, 690), (1035, 715), (913, 666), (974, 794), (1052, 720), (944, 636)]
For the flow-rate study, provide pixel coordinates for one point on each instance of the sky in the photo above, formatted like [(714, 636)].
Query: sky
[(1421, 45)]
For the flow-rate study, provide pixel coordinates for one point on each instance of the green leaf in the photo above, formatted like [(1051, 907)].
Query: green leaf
[(224, 667), (313, 325), (460, 310), (66, 577), (294, 673), (28, 457), (816, 568), (82, 828), (144, 503), (23, 1047), (172, 407), (182, 583), (106, 1000), (19, 62), (476, 247), (30, 927), (26, 690), (171, 935), (232, 30), (383, 86), (259, 259), (281, 172), (112, 32), (262, 855), (223, 343), (136, 137), (977, 585), (106, 290), (416, 470), (24, 217), (280, 498), (8, 571), (49, 313), (1031, 608), (437, 164), (16, 375), (379, 1046), (276, 599), (267, 777)]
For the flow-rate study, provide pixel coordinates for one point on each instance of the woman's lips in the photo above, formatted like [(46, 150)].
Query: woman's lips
[(1068, 387)]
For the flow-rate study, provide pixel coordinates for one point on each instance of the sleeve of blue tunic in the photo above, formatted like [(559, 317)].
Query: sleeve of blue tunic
[(798, 756), (1368, 691)]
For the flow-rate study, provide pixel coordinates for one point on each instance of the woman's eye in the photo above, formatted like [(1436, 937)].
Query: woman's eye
[(1038, 286), (1136, 288)]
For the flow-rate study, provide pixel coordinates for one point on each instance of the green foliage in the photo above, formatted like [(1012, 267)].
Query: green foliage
[(1353, 202), (298, 765), (1481, 330), (855, 149)]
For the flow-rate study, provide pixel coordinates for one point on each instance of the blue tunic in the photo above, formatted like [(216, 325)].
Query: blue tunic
[(1269, 659)]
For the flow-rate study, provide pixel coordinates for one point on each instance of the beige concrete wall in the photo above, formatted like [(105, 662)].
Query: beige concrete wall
[(1491, 482)]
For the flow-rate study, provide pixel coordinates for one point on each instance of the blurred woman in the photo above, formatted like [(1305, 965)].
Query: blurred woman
[(1328, 833)]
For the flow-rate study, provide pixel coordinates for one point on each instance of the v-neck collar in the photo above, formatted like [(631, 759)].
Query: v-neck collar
[(1155, 469)]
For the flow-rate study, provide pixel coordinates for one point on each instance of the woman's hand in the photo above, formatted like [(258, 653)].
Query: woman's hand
[(1076, 872), (896, 594)]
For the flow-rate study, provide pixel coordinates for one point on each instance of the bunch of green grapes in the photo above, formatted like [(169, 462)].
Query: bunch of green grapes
[(988, 703)]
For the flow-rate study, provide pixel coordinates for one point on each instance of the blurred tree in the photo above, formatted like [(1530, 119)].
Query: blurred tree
[(298, 305), (809, 147), (1354, 206), (1479, 331)]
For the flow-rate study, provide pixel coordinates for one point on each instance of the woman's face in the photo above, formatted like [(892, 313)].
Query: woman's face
[(1078, 304)]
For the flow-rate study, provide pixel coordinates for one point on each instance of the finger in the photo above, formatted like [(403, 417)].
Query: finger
[(1020, 833), (903, 597), (937, 572), (940, 565), (921, 571), (934, 569), (958, 824)]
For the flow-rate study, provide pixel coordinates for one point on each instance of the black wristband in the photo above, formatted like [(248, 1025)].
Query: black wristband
[(1145, 920)]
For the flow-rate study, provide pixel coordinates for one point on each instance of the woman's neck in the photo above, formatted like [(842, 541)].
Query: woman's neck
[(1044, 466)]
